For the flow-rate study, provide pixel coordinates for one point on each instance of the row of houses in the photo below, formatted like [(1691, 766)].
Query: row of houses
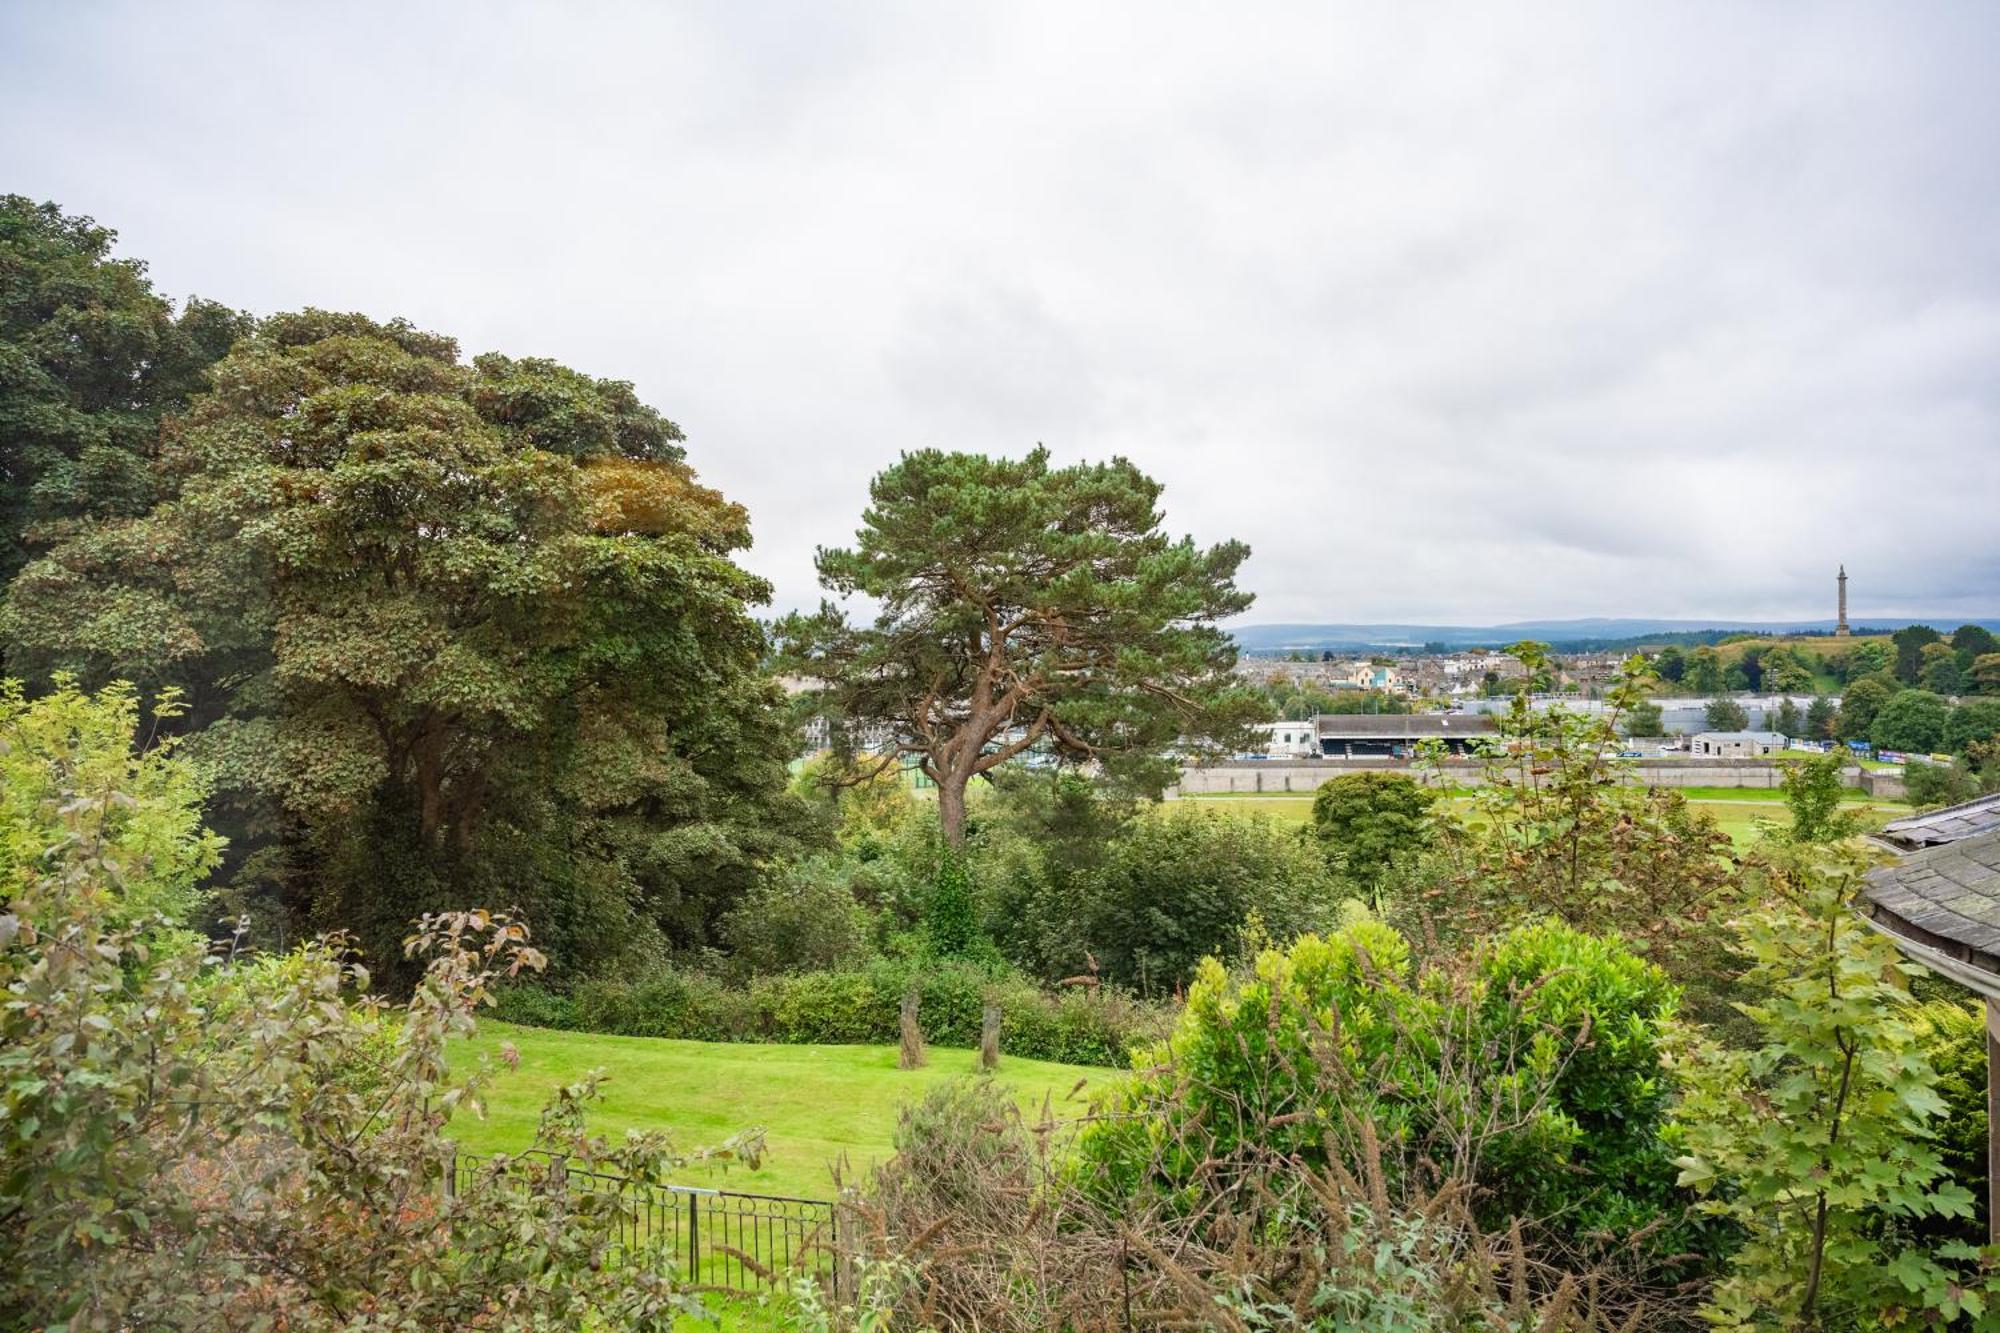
[(1678, 717)]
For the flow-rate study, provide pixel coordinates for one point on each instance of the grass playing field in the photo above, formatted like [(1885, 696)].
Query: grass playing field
[(814, 1103), (1735, 810)]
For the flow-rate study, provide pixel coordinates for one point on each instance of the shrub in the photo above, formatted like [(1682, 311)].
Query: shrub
[(799, 918), (1819, 1135), (1953, 1037), (1043, 840), (1368, 821), (187, 1143), (535, 1007), (1546, 982), (1560, 828), (1085, 1026), (1530, 1070), (1183, 882), (1931, 784), (1813, 792), (666, 1003), (978, 1222), (79, 805)]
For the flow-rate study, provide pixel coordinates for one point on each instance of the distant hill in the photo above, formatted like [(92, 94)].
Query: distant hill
[(1562, 633)]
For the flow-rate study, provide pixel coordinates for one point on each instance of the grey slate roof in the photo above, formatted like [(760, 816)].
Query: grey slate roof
[(1403, 726), (1950, 824), (1949, 892)]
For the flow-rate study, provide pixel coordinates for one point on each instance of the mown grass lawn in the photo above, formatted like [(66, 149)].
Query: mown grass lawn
[(815, 1103)]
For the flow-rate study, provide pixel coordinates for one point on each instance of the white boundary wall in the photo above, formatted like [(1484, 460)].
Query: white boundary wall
[(1303, 777)]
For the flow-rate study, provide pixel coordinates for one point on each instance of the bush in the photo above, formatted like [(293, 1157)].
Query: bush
[(1182, 884), (1085, 1026), (666, 1003), (80, 803), (1547, 982), (987, 1220), (187, 1142), (800, 918), (1819, 1142), (1560, 828), (1043, 840), (1930, 784), (535, 1007), (1530, 1069), (1366, 822), (1953, 1036), (1813, 791)]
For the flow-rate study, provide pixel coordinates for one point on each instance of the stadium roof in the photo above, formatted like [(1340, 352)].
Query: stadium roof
[(1403, 726)]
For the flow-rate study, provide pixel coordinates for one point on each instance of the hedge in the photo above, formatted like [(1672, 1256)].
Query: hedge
[(823, 1008)]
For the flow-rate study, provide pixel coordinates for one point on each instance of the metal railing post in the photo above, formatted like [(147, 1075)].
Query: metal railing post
[(694, 1237)]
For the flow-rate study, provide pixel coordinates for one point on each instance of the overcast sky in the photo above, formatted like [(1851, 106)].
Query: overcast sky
[(1454, 314)]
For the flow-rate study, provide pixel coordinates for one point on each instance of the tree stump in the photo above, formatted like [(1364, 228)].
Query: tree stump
[(989, 1037), (911, 1054)]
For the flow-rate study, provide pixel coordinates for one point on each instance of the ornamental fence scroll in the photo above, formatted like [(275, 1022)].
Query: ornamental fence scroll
[(721, 1240)]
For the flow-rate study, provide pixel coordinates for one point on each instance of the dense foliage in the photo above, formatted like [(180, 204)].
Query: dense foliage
[(1910, 720), (192, 1142), (71, 785), (1086, 1025), (980, 1221), (1543, 1048), (1817, 1139), (1157, 894), (1368, 823), (91, 358), (1813, 790), (449, 633)]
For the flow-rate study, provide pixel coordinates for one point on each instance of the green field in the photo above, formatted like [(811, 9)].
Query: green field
[(1735, 810), (815, 1104)]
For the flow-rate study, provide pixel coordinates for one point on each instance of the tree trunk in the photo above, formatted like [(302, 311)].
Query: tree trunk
[(989, 1037), (911, 1056), (951, 807)]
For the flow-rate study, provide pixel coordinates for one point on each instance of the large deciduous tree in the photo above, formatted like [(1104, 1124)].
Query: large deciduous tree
[(1858, 705), (1910, 641), (1726, 715), (91, 357), (456, 633), (1910, 720), (1025, 606)]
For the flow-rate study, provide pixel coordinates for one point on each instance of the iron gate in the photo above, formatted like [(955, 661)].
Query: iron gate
[(722, 1239)]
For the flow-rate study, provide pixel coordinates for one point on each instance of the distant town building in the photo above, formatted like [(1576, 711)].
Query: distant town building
[(1736, 744), (1397, 735), (1288, 740), (1370, 676)]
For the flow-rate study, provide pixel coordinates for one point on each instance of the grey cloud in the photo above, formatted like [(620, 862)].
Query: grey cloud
[(1453, 312)]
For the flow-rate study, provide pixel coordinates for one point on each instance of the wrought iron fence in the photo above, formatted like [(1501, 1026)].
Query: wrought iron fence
[(726, 1240)]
